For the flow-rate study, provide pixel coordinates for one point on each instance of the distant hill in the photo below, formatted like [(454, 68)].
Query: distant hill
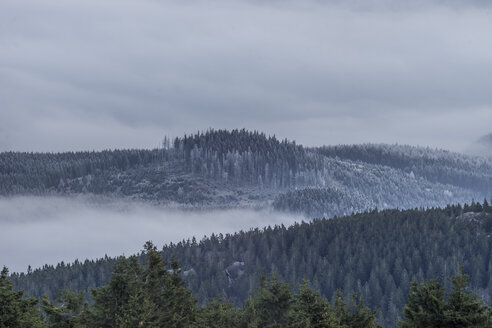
[(239, 168), (482, 147)]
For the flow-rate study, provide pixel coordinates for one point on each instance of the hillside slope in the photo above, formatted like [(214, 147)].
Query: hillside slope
[(238, 168)]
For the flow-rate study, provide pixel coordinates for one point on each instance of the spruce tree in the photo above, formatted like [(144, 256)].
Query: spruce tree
[(310, 310), (269, 306), (71, 311), (465, 309), (425, 305), (429, 306), (16, 311), (217, 314), (151, 295)]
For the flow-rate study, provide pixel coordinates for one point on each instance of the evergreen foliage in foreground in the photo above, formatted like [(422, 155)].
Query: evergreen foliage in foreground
[(429, 306), (153, 295), (16, 311), (374, 254)]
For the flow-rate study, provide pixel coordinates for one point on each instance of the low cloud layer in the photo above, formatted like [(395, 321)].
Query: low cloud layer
[(47, 230), (107, 74)]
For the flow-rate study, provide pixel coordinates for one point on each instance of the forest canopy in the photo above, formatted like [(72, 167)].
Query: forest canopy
[(374, 254), (153, 294)]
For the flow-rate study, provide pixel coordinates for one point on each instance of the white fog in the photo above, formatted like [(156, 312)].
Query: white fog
[(47, 230)]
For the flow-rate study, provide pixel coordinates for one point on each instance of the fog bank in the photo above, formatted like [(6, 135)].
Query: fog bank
[(46, 230)]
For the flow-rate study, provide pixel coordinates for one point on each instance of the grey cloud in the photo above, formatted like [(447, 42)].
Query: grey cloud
[(94, 74)]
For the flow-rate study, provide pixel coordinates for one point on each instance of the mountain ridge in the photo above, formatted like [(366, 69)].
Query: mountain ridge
[(240, 168)]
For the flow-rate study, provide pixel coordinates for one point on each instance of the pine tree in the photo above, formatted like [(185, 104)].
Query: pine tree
[(357, 315), (112, 302), (425, 305), (16, 311), (217, 314), (269, 307), (310, 310), (360, 316), (465, 309), (149, 295), (166, 289), (71, 312), (486, 206)]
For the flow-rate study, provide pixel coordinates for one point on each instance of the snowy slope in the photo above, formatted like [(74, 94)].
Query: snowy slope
[(238, 168)]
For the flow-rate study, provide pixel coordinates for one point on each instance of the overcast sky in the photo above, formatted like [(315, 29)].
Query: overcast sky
[(96, 74)]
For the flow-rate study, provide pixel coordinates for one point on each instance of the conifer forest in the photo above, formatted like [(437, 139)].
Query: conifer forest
[(245, 164), (382, 229)]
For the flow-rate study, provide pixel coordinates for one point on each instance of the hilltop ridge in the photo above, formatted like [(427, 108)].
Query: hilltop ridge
[(240, 168)]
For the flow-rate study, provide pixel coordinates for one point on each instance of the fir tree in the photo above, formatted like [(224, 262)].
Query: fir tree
[(16, 311), (269, 307), (217, 314), (71, 311), (425, 306), (465, 309), (310, 310)]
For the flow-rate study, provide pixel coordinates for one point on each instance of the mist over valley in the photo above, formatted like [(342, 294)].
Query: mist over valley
[(245, 163), (47, 230)]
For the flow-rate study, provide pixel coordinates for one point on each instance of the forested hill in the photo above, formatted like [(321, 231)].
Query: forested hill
[(221, 168), (228, 159), (375, 254), (435, 165)]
